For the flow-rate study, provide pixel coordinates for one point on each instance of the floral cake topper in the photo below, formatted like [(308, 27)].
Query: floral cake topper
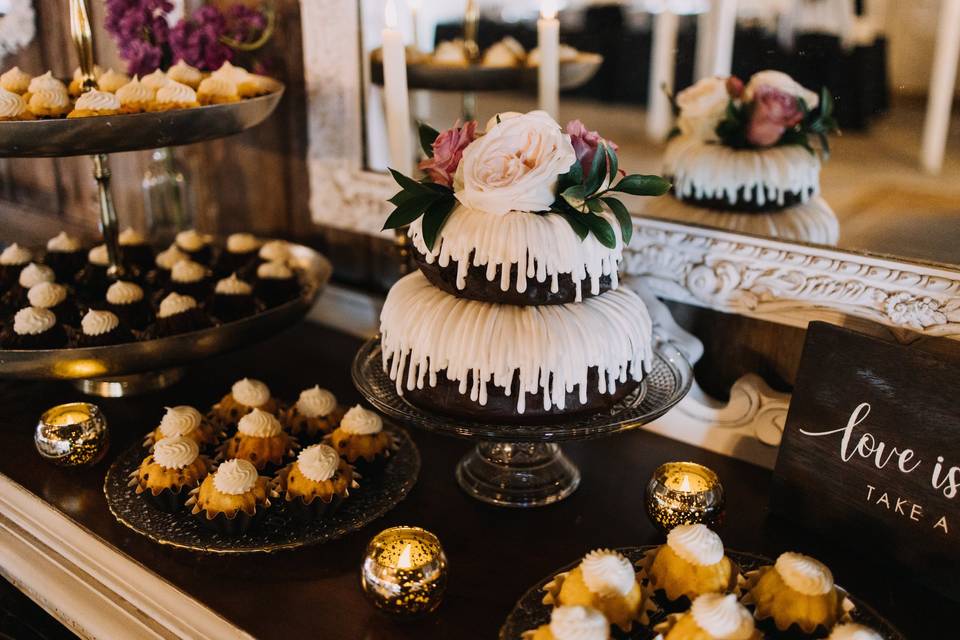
[(772, 109), (521, 162)]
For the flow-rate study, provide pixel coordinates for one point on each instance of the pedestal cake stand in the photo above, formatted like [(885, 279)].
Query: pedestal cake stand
[(521, 465)]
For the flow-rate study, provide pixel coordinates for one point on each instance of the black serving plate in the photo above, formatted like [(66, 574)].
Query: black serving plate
[(530, 612), (379, 492)]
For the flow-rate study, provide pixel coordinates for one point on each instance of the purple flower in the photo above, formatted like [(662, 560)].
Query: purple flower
[(140, 29), (196, 40), (142, 57), (448, 151), (585, 143)]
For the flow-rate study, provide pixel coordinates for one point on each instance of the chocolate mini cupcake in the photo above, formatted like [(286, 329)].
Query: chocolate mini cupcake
[(128, 302), (34, 328), (56, 298), (179, 314), (92, 281), (260, 439), (233, 499), (276, 283), (135, 252), (361, 440), (190, 278), (163, 264), (166, 476), (240, 254), (30, 276), (233, 299), (65, 256), (315, 414), (316, 483), (12, 261), (101, 329), (196, 245), (275, 251)]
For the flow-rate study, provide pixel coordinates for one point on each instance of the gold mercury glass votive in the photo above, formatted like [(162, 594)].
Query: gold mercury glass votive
[(684, 493), (404, 571), (72, 435)]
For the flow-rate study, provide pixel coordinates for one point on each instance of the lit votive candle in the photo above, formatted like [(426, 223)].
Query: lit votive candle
[(72, 435), (684, 493), (404, 571)]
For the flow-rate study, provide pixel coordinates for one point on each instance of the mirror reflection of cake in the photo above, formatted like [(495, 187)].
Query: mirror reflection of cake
[(512, 315)]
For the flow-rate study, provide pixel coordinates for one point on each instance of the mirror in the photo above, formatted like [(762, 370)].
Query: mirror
[(891, 184)]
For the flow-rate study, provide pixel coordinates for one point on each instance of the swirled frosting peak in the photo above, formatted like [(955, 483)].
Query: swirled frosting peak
[(359, 421), (183, 72), (274, 271), (853, 631), (176, 452), (112, 81), (46, 295), (48, 83), (578, 623), (242, 243), (235, 477), (97, 323), (174, 304), (318, 462), (33, 321), (804, 574), (15, 255), (176, 93), (123, 292), (15, 80), (96, 100), (130, 236), (607, 573), (259, 424), (722, 617), (230, 72), (11, 104), (233, 286), (155, 80), (63, 242), (191, 240), (179, 421), (696, 544), (316, 402), (136, 92), (98, 256), (169, 257), (250, 392), (275, 251), (33, 274), (187, 271)]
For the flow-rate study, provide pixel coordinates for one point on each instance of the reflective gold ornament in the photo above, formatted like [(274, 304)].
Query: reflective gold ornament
[(404, 571), (684, 493), (72, 435)]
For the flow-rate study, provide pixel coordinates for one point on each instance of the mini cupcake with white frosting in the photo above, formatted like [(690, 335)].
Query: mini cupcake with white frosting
[(199, 246), (245, 395), (314, 414), (136, 96), (276, 283), (233, 499), (76, 83), (260, 438), (129, 302), (190, 278), (316, 483), (185, 74), (217, 90), (163, 264), (100, 328), (606, 581), (155, 80), (95, 103), (29, 276), (184, 422), (92, 281), (65, 255), (174, 467), (361, 439), (179, 314), (691, 563), (799, 591), (112, 81), (13, 107), (56, 298), (853, 631), (34, 328), (275, 251), (712, 616), (232, 299), (48, 97), (572, 622), (135, 251), (15, 80), (239, 255), (174, 95), (13, 259)]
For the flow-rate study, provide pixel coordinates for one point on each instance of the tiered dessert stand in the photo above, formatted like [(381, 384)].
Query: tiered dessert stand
[(521, 465), (140, 366)]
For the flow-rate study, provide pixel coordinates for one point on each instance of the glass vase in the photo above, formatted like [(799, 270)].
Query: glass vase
[(167, 199)]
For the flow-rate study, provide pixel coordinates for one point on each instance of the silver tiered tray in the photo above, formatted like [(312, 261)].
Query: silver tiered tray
[(521, 465), (134, 367)]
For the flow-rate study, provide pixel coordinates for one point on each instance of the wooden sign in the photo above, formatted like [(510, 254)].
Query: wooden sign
[(870, 455)]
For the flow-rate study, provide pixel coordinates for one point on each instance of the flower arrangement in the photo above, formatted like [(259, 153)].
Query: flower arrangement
[(205, 39), (521, 162), (771, 109)]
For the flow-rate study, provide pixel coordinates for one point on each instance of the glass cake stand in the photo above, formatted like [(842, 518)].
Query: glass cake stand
[(522, 465)]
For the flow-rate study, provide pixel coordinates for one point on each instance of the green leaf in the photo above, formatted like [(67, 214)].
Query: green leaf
[(408, 184), (435, 217), (614, 166), (576, 223), (826, 102), (593, 204), (642, 185), (427, 136), (573, 176), (410, 210), (623, 217), (402, 196), (600, 228), (575, 196), (598, 170)]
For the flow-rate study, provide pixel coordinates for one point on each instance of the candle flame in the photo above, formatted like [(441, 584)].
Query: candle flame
[(405, 561), (390, 14), (548, 9), (685, 484)]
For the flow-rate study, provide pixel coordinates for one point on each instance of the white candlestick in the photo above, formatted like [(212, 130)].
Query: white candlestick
[(395, 96), (662, 63), (548, 42), (940, 97)]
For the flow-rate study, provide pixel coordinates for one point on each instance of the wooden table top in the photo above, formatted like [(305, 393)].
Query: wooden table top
[(495, 554)]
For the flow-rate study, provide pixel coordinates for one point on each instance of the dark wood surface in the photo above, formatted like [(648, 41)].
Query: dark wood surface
[(495, 554)]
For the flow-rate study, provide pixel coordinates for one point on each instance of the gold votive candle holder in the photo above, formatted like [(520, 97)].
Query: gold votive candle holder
[(72, 435), (404, 571), (684, 493)]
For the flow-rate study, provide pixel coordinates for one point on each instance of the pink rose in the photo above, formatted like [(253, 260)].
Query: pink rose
[(774, 111), (734, 87), (447, 152), (585, 143)]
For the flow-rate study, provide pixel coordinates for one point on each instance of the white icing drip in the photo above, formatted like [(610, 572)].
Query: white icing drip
[(541, 246), (578, 623), (549, 347), (96, 100), (15, 80), (174, 304), (97, 323), (274, 271), (318, 462), (250, 392), (259, 424), (804, 574), (179, 421), (155, 80), (98, 256), (176, 93), (33, 274), (15, 255), (275, 251), (129, 237), (175, 452), (33, 321), (190, 240), (135, 92), (853, 631), (63, 243), (169, 257), (233, 286), (696, 544), (242, 243), (316, 402), (361, 422), (121, 292), (722, 617), (187, 271), (112, 81), (607, 573), (11, 104), (235, 477), (46, 295), (705, 171)]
